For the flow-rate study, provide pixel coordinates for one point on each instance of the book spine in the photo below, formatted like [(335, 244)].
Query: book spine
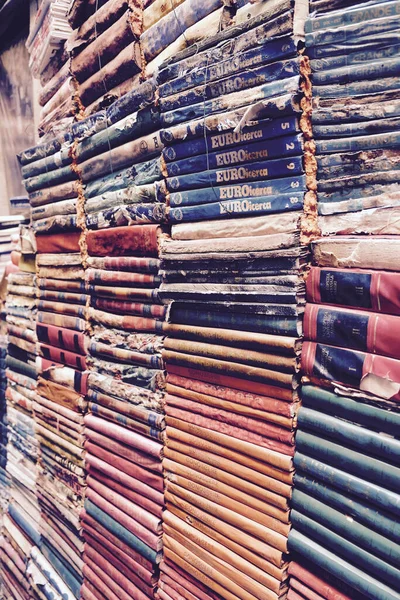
[(358, 88), (267, 324), (376, 141), (364, 537), (126, 215), (131, 127), (62, 338), (352, 32), (354, 58), (235, 83), (363, 466), (368, 416), (233, 63), (348, 550), (139, 174), (254, 190), (383, 68), (355, 129), (363, 331), (236, 99), (250, 172), (168, 29), (222, 140), (355, 16), (277, 147), (330, 427), (366, 514), (332, 562), (229, 208)]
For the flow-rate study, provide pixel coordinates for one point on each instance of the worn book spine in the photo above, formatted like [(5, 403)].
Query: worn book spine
[(369, 332), (355, 16), (238, 99), (360, 511), (222, 140), (229, 208), (329, 560), (278, 49), (357, 369), (254, 190), (235, 83), (368, 416), (251, 172)]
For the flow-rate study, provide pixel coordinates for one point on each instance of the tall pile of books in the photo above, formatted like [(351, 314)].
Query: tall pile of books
[(346, 493), (57, 217), (239, 171), (125, 425), (21, 522)]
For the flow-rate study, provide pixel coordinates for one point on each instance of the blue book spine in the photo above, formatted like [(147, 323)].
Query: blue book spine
[(126, 215), (354, 58), (356, 129), (277, 49), (133, 126), (30, 531), (241, 321), (49, 179), (141, 96), (89, 126), (268, 90), (358, 88), (354, 16), (69, 575), (241, 81), (334, 564), (389, 67), (352, 552), (354, 144), (240, 191), (233, 208), (368, 43), (352, 32), (272, 148), (174, 24), (139, 174), (249, 172), (221, 140), (366, 538), (120, 531)]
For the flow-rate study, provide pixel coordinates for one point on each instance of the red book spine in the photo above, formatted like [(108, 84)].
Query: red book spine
[(139, 240), (369, 332), (377, 291)]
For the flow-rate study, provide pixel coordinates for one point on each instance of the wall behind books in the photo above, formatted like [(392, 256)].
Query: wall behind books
[(18, 110)]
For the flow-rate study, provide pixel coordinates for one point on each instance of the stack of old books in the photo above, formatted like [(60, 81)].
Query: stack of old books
[(54, 194), (105, 55), (347, 456), (118, 159), (4, 479), (356, 118), (61, 400), (49, 63), (125, 424), (239, 166), (20, 524), (346, 496)]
